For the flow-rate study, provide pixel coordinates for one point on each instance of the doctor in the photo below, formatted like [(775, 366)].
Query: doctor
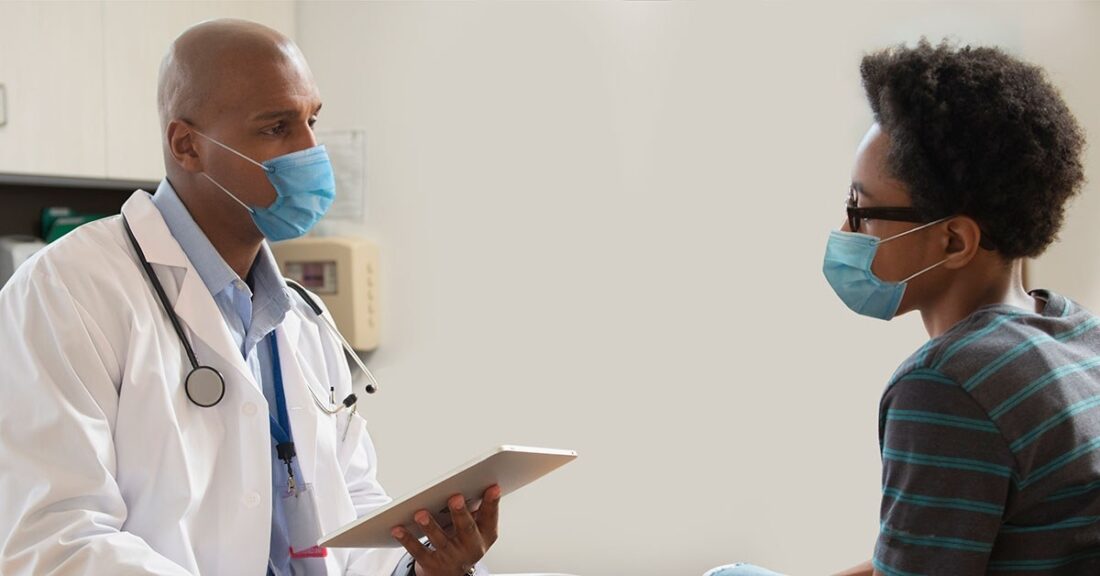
[(109, 464)]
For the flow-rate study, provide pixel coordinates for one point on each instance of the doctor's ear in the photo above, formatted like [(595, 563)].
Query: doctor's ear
[(181, 145), (962, 236)]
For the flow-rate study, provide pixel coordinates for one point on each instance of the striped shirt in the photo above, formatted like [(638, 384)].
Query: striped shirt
[(990, 440)]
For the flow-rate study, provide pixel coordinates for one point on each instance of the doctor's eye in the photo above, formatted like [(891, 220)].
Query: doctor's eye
[(276, 130), (312, 121)]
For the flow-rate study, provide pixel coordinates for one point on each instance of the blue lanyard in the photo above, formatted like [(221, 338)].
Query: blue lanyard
[(280, 429)]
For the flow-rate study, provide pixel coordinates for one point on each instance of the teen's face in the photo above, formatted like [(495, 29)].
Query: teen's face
[(874, 186)]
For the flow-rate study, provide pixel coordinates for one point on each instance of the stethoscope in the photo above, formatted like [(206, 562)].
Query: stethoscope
[(205, 386)]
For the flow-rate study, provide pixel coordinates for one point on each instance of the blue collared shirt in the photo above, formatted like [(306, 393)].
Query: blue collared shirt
[(251, 310)]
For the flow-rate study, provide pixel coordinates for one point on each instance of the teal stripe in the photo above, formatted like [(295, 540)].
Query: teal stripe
[(1024, 565), (922, 355), (938, 541), (941, 420), (1076, 522), (926, 374), (947, 462), (1068, 308), (937, 502), (963, 342), (888, 571), (1040, 383), (1053, 421), (1061, 461), (1024, 346), (1072, 492)]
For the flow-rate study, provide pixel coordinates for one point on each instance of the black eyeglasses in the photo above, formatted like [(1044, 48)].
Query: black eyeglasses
[(857, 215)]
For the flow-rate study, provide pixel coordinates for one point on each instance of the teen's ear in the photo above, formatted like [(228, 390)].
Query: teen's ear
[(961, 236)]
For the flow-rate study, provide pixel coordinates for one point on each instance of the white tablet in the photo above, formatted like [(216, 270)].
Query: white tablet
[(510, 467)]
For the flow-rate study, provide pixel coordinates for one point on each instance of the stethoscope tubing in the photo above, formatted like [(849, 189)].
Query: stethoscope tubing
[(161, 296), (328, 408)]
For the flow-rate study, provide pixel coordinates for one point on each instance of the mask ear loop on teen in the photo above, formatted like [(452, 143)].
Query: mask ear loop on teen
[(925, 270), (918, 228)]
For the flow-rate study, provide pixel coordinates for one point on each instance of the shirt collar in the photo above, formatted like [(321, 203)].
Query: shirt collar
[(272, 301), (270, 294), (213, 270)]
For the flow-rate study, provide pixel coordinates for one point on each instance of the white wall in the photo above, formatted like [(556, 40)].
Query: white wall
[(602, 227), (136, 36)]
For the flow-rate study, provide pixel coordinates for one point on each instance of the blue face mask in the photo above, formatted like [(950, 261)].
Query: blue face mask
[(305, 188), (848, 259)]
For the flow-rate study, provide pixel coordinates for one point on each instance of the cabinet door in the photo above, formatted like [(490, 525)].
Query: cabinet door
[(136, 36), (51, 65)]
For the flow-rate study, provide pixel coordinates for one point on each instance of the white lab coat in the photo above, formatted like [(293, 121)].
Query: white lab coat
[(107, 468)]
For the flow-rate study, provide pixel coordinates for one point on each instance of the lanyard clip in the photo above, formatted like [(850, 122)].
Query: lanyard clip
[(286, 453)]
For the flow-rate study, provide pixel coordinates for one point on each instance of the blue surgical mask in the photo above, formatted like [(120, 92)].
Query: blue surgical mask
[(848, 259), (305, 188)]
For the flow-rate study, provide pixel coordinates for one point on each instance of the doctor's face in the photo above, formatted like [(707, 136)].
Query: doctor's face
[(262, 109)]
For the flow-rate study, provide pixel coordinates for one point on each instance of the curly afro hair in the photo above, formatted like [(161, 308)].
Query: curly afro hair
[(974, 131)]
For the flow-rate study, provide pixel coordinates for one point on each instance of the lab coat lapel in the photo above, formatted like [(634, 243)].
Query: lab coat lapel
[(194, 304), (299, 400)]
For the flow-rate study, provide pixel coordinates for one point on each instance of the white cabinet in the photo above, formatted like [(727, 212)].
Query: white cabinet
[(80, 80), (136, 35), (51, 65)]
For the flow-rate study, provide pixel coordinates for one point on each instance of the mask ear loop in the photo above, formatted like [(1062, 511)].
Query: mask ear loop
[(262, 167), (917, 229), (926, 270), (215, 182)]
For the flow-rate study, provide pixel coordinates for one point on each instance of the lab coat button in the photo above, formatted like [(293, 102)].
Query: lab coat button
[(248, 409), (252, 500)]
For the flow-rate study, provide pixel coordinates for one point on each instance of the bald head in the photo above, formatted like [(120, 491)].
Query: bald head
[(213, 65), (243, 86)]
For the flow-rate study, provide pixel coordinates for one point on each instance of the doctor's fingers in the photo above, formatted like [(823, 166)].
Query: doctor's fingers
[(466, 529), (488, 514), (436, 535), (413, 546)]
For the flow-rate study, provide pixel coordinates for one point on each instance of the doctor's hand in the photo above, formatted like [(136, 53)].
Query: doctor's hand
[(455, 551)]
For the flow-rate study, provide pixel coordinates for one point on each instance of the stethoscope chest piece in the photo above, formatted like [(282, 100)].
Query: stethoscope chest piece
[(204, 386)]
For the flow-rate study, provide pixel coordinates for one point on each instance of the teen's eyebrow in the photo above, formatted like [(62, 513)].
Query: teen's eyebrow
[(858, 187)]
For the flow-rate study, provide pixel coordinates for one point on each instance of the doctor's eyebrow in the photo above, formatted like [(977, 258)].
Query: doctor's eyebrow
[(280, 114)]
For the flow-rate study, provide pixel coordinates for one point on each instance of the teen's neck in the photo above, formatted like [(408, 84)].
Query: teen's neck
[(975, 287)]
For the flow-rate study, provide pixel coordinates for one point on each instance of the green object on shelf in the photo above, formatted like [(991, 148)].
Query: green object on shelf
[(59, 221)]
